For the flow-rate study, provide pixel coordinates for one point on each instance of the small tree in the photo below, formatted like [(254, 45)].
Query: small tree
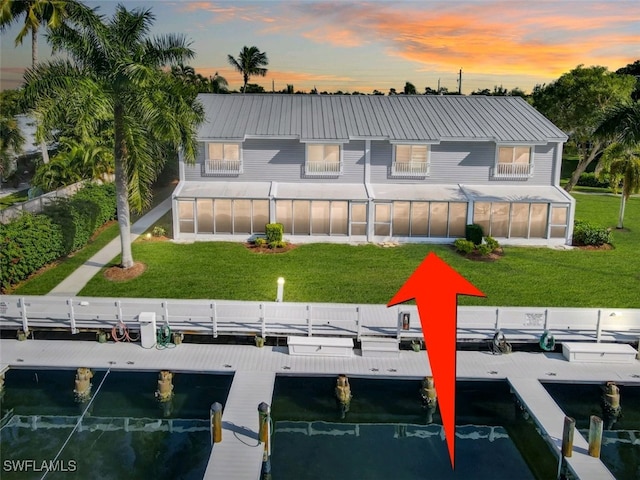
[(621, 160), (409, 89), (576, 101)]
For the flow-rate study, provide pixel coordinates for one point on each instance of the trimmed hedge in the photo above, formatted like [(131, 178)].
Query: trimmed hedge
[(590, 180), (274, 232), (473, 233), (585, 233), (34, 240)]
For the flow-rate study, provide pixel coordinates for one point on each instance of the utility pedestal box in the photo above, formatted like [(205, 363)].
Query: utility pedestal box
[(147, 329)]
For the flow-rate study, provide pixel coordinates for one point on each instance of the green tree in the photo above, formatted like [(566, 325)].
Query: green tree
[(117, 69), (37, 13), (632, 69), (74, 162), (621, 160), (409, 88), (575, 103), (11, 138), (253, 88), (250, 62), (11, 143), (218, 84), (50, 13)]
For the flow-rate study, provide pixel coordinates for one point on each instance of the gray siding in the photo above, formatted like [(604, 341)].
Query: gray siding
[(281, 160), (460, 162)]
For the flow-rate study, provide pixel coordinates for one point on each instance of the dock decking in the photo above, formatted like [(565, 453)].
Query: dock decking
[(550, 418), (256, 369), (239, 455)]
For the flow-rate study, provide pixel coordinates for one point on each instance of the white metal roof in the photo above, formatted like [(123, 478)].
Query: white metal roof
[(516, 193), (320, 191), (396, 118), (442, 193), (223, 190)]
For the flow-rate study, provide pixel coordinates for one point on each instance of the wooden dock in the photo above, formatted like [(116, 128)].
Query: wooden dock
[(239, 455), (550, 418)]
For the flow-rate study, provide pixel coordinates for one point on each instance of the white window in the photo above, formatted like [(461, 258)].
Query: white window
[(514, 162), (410, 161), (323, 159), (223, 159)]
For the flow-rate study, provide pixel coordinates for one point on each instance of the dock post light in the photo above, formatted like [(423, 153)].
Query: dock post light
[(280, 292)]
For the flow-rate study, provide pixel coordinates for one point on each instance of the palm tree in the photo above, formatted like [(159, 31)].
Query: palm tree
[(621, 160), (250, 62), (218, 84), (116, 68), (75, 162), (11, 142), (50, 13)]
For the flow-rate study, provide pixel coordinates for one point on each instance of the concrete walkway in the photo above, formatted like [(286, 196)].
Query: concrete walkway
[(75, 282)]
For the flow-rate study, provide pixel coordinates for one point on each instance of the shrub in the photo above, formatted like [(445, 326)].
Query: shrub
[(274, 232), (159, 231), (280, 244), (77, 219), (484, 249), (27, 244), (260, 242), (464, 246), (590, 180), (492, 243), (33, 240), (585, 233), (103, 197), (473, 233)]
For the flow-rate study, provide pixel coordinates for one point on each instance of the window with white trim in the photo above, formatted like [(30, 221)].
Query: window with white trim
[(514, 162), (410, 161), (323, 159), (223, 159)]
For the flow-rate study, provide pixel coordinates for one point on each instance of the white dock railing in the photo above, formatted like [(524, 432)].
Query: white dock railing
[(268, 319)]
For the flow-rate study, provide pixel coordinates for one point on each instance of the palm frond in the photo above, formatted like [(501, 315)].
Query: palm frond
[(621, 123)]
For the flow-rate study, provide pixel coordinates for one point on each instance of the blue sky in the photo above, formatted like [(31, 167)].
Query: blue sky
[(380, 45)]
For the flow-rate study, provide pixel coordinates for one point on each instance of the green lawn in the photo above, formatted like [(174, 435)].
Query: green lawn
[(371, 274)]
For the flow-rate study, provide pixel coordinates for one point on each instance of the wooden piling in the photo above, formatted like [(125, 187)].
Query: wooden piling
[(216, 423), (263, 413), (595, 436), (567, 436)]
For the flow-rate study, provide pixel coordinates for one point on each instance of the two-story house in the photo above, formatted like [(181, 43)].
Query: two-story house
[(407, 168)]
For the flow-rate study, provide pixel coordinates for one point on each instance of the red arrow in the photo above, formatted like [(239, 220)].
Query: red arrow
[(435, 287)]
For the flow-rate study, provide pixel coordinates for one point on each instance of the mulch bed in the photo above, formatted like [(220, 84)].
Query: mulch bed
[(606, 246), (266, 250), (119, 274), (476, 256), (152, 238)]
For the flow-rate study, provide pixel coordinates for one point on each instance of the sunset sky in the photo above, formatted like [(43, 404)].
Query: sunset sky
[(362, 46)]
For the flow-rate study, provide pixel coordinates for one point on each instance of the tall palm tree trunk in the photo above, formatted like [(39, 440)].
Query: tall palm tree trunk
[(122, 198), (623, 201), (34, 60), (34, 47)]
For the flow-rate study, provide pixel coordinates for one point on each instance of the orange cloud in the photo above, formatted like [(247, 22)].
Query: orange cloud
[(224, 12), (300, 80), (502, 36), (541, 39)]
